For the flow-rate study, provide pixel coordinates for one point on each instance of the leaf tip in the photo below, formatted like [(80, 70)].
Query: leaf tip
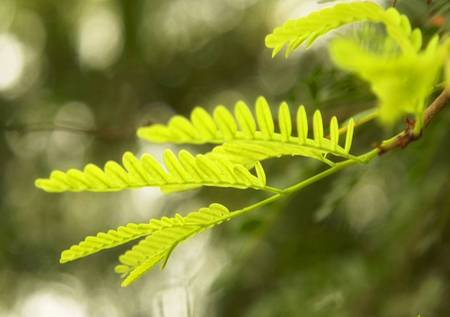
[(65, 257)]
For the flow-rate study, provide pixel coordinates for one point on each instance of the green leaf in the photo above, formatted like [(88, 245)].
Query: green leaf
[(401, 82), (162, 236), (264, 118), (307, 29), (245, 119), (284, 119), (334, 130), (158, 246), (318, 127), (302, 124), (113, 238), (255, 138), (349, 135), (183, 172), (225, 122)]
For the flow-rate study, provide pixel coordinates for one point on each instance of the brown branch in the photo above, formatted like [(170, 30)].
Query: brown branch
[(407, 136), (438, 104)]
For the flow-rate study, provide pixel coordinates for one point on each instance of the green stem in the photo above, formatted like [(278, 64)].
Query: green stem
[(366, 157), (336, 168), (294, 188), (273, 190)]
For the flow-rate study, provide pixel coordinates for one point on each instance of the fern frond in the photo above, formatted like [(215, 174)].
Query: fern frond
[(248, 138), (158, 246), (307, 29), (179, 173)]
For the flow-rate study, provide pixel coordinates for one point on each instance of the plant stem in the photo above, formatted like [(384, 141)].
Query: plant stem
[(273, 190), (291, 189)]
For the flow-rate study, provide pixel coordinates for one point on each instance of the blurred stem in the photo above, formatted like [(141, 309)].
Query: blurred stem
[(291, 189), (361, 119)]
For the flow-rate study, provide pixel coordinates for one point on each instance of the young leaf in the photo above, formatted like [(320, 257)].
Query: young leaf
[(401, 82), (158, 246), (245, 118), (284, 119), (112, 238), (162, 236), (317, 127), (334, 130), (183, 172), (307, 29), (251, 142), (264, 118), (349, 135)]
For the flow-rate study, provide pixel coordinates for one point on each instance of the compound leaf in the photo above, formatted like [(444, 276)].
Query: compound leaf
[(158, 246), (307, 29), (255, 138), (178, 173)]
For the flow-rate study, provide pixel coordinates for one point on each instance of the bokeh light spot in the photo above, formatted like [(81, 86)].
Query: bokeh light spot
[(100, 39), (11, 61)]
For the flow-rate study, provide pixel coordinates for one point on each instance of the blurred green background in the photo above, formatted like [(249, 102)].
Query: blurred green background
[(76, 80)]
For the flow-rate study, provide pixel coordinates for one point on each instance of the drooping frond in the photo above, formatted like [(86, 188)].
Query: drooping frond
[(401, 82), (158, 246), (307, 29), (248, 138), (178, 173)]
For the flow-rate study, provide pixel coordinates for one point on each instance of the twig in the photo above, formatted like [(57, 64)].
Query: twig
[(407, 136)]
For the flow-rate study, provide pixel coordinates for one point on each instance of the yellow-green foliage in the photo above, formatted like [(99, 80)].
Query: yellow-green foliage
[(401, 77), (307, 29), (247, 138), (243, 141), (162, 236), (393, 76), (183, 173)]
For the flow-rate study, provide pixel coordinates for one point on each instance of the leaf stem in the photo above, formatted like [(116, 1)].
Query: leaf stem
[(291, 189), (273, 189)]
